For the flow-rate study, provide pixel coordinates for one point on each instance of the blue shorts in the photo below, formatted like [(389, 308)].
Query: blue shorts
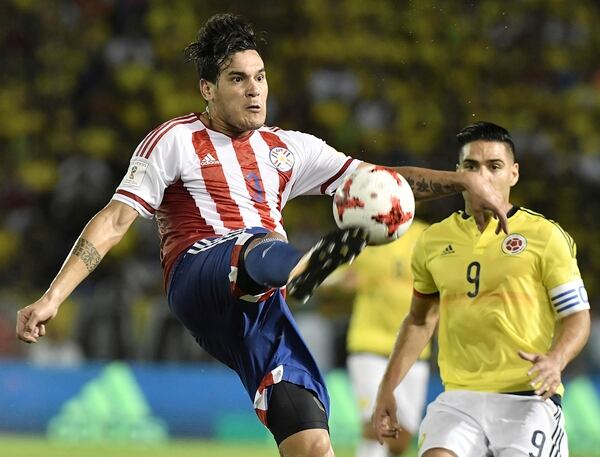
[(256, 336)]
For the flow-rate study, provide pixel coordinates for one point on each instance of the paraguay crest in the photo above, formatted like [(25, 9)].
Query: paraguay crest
[(282, 158), (514, 244)]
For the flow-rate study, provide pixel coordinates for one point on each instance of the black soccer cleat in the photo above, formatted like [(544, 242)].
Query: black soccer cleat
[(333, 250)]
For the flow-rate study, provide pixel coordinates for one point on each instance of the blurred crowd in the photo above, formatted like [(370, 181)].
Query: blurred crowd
[(83, 81)]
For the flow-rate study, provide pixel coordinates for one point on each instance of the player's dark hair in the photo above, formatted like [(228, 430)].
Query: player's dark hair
[(221, 36), (485, 131)]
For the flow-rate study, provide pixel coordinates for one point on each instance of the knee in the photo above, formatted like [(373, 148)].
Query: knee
[(396, 447), (261, 238), (439, 452), (399, 445), (320, 446), (316, 446), (309, 444)]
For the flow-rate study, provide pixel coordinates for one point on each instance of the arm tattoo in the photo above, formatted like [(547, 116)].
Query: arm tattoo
[(427, 189), (88, 254), (444, 189)]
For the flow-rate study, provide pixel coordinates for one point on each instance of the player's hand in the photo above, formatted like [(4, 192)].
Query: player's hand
[(545, 373), (384, 416), (485, 199), (31, 320)]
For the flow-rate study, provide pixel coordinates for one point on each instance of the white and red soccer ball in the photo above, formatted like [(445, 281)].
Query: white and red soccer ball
[(377, 199)]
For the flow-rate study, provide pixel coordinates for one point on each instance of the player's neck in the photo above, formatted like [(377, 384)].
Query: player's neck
[(217, 125)]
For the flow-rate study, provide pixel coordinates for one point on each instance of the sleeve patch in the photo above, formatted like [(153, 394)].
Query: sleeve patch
[(135, 173)]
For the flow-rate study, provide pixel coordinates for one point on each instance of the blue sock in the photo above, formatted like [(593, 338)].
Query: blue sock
[(269, 262)]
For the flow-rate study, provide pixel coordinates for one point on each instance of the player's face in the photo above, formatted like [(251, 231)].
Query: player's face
[(238, 101), (494, 161)]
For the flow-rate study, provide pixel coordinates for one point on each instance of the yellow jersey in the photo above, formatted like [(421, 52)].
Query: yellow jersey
[(383, 294), (498, 294)]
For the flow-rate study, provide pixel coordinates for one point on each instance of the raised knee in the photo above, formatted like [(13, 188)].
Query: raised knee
[(308, 443), (262, 237), (319, 446)]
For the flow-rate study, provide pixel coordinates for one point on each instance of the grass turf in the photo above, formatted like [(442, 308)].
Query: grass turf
[(27, 446), (32, 445)]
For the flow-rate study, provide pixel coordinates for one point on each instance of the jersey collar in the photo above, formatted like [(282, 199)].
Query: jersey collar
[(511, 212)]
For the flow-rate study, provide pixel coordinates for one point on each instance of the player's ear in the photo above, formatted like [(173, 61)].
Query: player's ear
[(514, 174), (206, 89)]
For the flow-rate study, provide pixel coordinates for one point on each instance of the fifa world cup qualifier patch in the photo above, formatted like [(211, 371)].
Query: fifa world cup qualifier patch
[(135, 173), (514, 244)]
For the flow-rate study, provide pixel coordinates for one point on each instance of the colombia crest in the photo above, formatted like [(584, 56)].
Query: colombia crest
[(514, 244)]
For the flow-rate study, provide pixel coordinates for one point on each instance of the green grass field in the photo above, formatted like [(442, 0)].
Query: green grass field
[(28, 446)]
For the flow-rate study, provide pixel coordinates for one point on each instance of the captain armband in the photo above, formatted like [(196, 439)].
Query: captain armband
[(569, 298)]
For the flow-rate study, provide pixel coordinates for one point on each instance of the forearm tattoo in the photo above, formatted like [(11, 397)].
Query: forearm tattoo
[(88, 254), (426, 189)]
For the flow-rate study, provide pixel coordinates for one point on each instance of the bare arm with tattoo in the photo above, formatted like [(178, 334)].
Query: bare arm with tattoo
[(88, 253), (103, 232), (428, 184)]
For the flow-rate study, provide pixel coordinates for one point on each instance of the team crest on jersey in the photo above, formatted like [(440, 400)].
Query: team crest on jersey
[(282, 158), (514, 244)]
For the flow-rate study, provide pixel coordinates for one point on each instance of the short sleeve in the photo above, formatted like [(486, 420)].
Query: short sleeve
[(423, 281), (561, 276), (321, 169), (150, 172)]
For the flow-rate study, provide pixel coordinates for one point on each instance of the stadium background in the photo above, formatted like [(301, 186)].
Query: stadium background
[(83, 81)]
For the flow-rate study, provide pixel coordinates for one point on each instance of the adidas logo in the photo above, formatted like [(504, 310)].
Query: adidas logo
[(109, 407), (209, 160), (449, 250)]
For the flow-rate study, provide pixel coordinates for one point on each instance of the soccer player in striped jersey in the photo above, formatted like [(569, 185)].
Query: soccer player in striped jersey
[(512, 312), (216, 183)]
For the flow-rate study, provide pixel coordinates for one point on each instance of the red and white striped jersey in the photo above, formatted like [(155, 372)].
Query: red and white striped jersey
[(200, 183)]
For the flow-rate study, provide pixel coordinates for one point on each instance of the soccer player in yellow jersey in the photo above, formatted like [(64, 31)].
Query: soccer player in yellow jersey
[(512, 312), (376, 315)]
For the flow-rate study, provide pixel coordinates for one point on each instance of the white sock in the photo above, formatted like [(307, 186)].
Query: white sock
[(371, 448)]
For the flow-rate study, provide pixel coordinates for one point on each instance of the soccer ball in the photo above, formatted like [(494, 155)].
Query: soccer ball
[(377, 199)]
